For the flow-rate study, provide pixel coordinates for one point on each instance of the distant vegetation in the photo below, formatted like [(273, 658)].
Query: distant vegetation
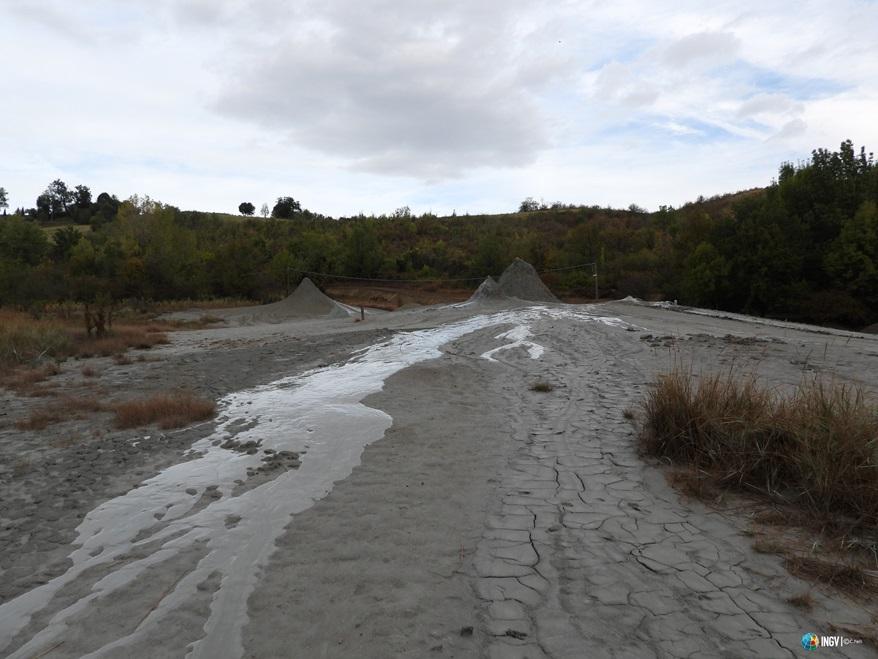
[(804, 248)]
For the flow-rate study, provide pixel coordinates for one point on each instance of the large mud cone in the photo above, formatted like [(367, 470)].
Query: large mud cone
[(487, 290), (521, 281), (309, 301)]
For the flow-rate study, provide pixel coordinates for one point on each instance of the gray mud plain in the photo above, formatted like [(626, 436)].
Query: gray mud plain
[(489, 521)]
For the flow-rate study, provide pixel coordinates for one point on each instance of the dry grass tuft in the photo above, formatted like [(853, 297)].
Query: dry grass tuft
[(166, 410), (693, 482), (63, 409), (24, 340), (27, 344), (120, 339), (29, 381), (802, 601), (766, 546), (850, 579), (88, 372), (542, 386), (815, 448)]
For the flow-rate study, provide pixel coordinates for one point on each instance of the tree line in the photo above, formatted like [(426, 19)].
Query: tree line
[(804, 248)]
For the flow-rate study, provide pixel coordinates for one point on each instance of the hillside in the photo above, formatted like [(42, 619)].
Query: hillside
[(802, 248)]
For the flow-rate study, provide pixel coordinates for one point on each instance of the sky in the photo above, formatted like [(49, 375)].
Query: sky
[(365, 106)]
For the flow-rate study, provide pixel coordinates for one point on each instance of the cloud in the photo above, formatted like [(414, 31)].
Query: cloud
[(792, 128), (768, 105), (421, 93), (367, 105), (702, 48), (617, 82)]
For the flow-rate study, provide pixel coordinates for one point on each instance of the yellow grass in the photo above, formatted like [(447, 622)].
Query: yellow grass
[(815, 448), (166, 410)]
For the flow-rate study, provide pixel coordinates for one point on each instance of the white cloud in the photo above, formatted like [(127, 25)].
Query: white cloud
[(702, 49), (366, 105)]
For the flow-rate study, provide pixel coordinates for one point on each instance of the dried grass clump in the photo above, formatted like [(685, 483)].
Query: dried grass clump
[(30, 381), (165, 410), (24, 340), (816, 447), (850, 579), (62, 409), (120, 339), (542, 387)]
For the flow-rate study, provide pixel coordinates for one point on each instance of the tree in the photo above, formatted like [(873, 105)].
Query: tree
[(105, 208), (65, 240), (82, 196), (285, 208), (4, 200), (246, 208), (402, 212), (853, 259), (363, 250), (22, 242), (529, 205), (264, 211), (56, 199)]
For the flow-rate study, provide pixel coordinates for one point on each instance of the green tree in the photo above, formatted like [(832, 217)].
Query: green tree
[(706, 273), (246, 208), (853, 258), (286, 208), (4, 200), (82, 196), (363, 256), (65, 239), (22, 241), (528, 205), (55, 200), (104, 210)]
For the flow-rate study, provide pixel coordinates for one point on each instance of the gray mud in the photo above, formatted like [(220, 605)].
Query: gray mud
[(490, 521)]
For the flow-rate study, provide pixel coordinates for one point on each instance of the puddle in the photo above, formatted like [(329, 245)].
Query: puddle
[(317, 414)]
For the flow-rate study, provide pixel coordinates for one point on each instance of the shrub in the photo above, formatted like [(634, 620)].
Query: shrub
[(64, 409), (816, 447), (24, 340), (166, 410)]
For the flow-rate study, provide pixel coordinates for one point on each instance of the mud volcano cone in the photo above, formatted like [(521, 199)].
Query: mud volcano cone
[(487, 290), (520, 280), (309, 301)]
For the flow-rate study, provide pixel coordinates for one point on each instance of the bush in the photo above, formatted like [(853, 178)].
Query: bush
[(816, 447), (166, 410), (23, 340)]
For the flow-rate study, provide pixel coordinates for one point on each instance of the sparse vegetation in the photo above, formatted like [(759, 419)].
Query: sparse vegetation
[(802, 601), (815, 448), (30, 346), (62, 409), (850, 579), (166, 410), (24, 340), (542, 386)]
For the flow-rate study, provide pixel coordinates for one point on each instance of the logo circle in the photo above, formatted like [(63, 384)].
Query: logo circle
[(810, 641)]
